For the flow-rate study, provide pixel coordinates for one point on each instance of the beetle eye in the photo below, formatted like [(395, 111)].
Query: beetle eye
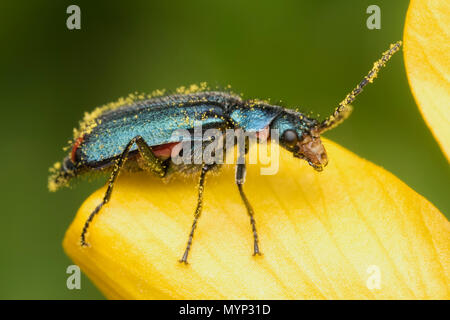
[(290, 137)]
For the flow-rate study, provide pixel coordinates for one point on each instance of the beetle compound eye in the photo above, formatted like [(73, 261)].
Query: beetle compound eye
[(290, 137)]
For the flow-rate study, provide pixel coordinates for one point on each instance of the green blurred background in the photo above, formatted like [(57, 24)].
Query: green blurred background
[(306, 53)]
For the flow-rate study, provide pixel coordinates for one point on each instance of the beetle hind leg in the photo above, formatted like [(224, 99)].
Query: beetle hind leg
[(115, 173), (152, 163)]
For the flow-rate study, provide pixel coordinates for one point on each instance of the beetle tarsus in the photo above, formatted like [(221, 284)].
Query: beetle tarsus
[(185, 255), (256, 251), (88, 222)]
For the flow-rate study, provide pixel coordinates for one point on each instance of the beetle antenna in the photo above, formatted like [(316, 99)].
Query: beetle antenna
[(344, 109)]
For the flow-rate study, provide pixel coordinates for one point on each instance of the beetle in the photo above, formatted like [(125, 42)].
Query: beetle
[(138, 132)]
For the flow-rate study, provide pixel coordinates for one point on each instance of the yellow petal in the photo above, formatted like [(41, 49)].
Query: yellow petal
[(427, 61), (323, 235)]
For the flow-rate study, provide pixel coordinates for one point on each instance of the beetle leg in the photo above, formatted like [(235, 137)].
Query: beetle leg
[(240, 179), (198, 210), (243, 147), (146, 153), (152, 163)]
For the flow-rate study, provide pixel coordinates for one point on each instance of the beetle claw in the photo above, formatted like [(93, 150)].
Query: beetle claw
[(84, 244)]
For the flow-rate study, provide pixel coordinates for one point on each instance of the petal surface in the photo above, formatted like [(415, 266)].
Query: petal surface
[(427, 60)]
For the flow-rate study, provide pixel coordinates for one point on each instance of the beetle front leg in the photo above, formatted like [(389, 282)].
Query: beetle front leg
[(240, 179)]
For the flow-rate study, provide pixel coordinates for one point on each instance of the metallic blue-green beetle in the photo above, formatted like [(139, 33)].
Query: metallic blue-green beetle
[(138, 132)]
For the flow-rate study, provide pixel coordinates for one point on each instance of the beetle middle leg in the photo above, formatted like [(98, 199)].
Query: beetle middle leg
[(152, 163), (198, 210)]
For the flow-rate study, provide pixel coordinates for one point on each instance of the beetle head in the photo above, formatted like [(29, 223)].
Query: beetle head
[(301, 135), (312, 150)]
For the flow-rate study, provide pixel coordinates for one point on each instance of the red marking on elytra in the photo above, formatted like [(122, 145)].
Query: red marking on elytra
[(75, 147)]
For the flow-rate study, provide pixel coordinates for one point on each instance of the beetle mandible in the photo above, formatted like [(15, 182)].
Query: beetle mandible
[(138, 131)]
